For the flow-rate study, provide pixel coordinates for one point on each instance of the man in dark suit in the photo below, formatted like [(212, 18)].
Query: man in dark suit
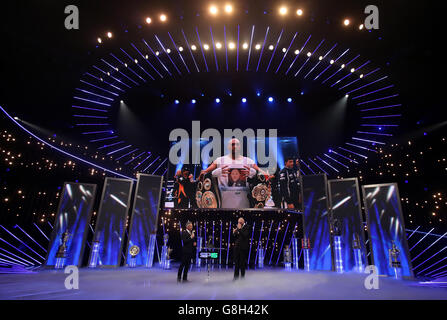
[(241, 234), (189, 243)]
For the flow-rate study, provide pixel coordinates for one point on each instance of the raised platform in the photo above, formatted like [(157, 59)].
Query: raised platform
[(268, 284)]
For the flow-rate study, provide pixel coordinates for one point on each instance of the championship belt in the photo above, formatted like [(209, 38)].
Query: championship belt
[(199, 186), (260, 192), (134, 251), (207, 184), (208, 200), (199, 198)]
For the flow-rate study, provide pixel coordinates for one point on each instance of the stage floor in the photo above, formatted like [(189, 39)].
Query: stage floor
[(157, 284)]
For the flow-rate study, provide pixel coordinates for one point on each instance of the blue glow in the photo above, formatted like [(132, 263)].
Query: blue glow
[(289, 100), (270, 99), (258, 94), (193, 101), (244, 100), (302, 92), (217, 100), (176, 102)]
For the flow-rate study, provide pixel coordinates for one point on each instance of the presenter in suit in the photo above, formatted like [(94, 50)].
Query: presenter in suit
[(241, 234), (189, 243)]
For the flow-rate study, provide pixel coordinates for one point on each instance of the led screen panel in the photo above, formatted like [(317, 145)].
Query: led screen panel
[(73, 216), (344, 199), (385, 225), (111, 222), (316, 221), (144, 215)]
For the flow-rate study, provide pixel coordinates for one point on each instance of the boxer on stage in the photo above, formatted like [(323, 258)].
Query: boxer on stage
[(240, 252), (189, 243)]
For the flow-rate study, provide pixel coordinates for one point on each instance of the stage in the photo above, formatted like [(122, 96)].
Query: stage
[(157, 284)]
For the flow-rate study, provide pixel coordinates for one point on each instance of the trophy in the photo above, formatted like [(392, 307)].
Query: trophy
[(394, 258), (61, 254), (133, 251), (164, 263)]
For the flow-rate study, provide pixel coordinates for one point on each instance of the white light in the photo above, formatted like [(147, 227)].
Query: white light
[(125, 65), (320, 58), (206, 47), (284, 50), (258, 46), (180, 49), (148, 20), (361, 76), (193, 47), (309, 54), (283, 11), (213, 10), (347, 95), (232, 45), (352, 70), (299, 12), (297, 51), (168, 50), (163, 17), (271, 47), (228, 8), (361, 27), (244, 100), (99, 40), (218, 45), (157, 53), (342, 66), (147, 57), (346, 22), (16, 118), (245, 45), (109, 35), (121, 101), (136, 61), (331, 62)]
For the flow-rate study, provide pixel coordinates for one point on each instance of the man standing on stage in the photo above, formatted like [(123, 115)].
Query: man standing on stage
[(240, 251), (187, 252), (290, 185)]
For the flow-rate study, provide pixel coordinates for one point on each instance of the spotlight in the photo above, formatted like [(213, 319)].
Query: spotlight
[(309, 54), (284, 50), (352, 70), (270, 99), (125, 64), (289, 100), (244, 100), (218, 45), (148, 20), (121, 101), (16, 118), (361, 76), (342, 66), (136, 61), (258, 46), (206, 47), (176, 102), (232, 45), (228, 8), (157, 53), (346, 22), (213, 10), (271, 47), (258, 94), (297, 51), (193, 47), (109, 35), (302, 92), (299, 12), (245, 45), (331, 62), (99, 40), (168, 51), (320, 58), (193, 101), (347, 95), (361, 27), (180, 49), (217, 100), (147, 57), (163, 18), (283, 11)]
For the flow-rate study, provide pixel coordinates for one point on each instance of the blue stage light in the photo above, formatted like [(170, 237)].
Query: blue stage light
[(176, 102), (244, 100), (302, 92), (217, 100), (289, 100), (193, 101), (270, 99), (258, 94)]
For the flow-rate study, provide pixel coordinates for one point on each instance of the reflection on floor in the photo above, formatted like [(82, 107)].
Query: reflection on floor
[(125, 283)]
